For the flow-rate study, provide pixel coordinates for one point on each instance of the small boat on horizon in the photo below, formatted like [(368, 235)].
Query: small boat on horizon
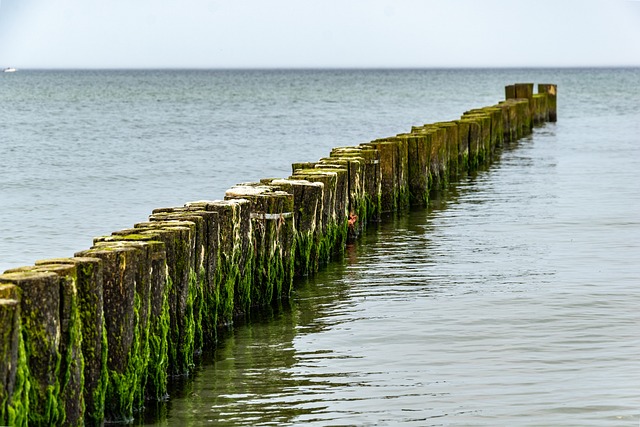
[(9, 70)]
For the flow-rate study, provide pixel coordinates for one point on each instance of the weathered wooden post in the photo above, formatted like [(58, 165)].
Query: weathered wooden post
[(472, 129), (235, 255), (438, 156), (484, 122), (40, 320), (521, 92), (71, 372), (199, 263), (524, 90), (207, 253), (551, 91), (307, 211), (89, 286), (494, 127), (127, 360), (273, 240), (341, 204), (179, 240), (369, 169), (351, 205), (510, 119), (329, 221), (418, 148), (452, 148), (525, 119), (154, 385), (393, 152), (14, 371)]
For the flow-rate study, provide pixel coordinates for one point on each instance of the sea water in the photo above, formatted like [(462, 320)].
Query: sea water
[(512, 300)]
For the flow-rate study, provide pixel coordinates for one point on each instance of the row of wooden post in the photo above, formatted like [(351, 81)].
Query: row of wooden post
[(93, 337)]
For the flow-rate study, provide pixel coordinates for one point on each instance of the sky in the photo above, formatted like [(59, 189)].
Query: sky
[(318, 33)]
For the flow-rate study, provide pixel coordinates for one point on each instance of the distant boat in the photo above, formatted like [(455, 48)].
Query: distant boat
[(9, 70)]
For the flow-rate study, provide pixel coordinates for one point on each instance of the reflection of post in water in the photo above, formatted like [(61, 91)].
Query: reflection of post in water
[(351, 253)]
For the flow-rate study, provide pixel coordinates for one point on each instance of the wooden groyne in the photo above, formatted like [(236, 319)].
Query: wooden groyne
[(91, 338)]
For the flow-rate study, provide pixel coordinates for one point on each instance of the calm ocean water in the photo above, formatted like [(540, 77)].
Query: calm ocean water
[(512, 300)]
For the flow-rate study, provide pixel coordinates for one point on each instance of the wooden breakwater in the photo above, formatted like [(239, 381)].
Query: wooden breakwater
[(93, 337)]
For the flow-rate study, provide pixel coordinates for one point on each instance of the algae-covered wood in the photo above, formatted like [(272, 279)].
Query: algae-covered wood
[(40, 323), (71, 375), (14, 376), (125, 363)]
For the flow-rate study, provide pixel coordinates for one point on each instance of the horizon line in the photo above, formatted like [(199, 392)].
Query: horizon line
[(327, 68)]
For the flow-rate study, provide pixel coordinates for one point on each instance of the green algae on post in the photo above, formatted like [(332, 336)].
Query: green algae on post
[(158, 329), (89, 286), (307, 198), (180, 246), (127, 360), (199, 262), (551, 92), (72, 359), (206, 314), (235, 254), (371, 183), (272, 223), (327, 219), (14, 383), (394, 152), (40, 320), (418, 146)]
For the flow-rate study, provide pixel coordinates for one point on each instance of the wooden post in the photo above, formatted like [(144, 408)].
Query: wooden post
[(89, 285), (14, 371), (307, 212), (352, 204), (236, 255), (524, 91), (551, 91), (484, 149), (208, 228), (179, 239), (328, 221), (418, 168), (40, 320), (393, 154), (71, 374), (369, 209), (273, 237)]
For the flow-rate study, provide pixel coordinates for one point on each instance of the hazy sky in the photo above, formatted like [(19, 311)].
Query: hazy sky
[(318, 33)]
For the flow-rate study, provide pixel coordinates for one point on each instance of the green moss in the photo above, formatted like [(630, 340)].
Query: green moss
[(96, 373), (71, 387), (403, 198), (211, 303), (244, 282), (188, 328), (173, 335), (263, 268), (159, 351), (289, 268), (341, 233), (45, 407), (303, 265), (276, 277), (95, 417), (17, 405), (198, 310), (230, 272), (124, 390)]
